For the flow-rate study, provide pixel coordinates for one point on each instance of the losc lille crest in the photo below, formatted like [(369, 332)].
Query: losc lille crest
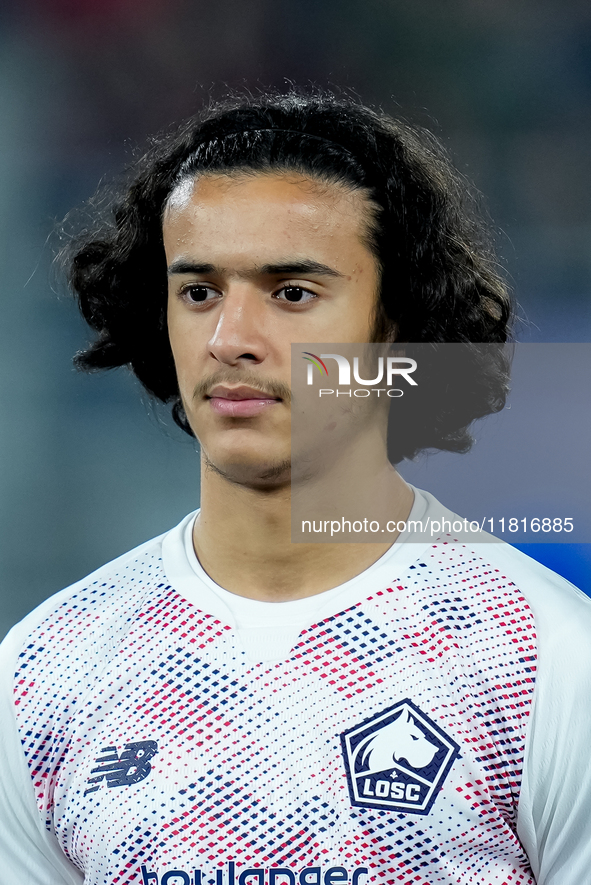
[(397, 760)]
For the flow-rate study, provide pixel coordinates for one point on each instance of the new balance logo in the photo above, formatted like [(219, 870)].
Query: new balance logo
[(397, 760), (130, 767)]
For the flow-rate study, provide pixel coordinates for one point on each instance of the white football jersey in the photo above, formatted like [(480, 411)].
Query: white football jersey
[(426, 723)]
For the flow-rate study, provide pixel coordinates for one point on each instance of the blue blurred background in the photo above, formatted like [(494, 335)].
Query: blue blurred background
[(88, 468)]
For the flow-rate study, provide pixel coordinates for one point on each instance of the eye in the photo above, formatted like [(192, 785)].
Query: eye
[(295, 295), (196, 294)]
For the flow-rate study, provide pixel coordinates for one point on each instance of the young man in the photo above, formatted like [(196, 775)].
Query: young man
[(222, 705)]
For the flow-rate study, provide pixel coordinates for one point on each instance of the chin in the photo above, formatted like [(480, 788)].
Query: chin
[(258, 475)]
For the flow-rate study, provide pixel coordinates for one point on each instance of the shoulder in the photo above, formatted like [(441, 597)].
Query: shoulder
[(559, 608), (494, 572), (561, 611), (562, 620), (79, 628)]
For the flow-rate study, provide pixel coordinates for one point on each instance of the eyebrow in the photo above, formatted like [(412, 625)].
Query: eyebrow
[(295, 268)]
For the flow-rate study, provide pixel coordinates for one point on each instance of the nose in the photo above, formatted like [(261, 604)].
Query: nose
[(239, 332)]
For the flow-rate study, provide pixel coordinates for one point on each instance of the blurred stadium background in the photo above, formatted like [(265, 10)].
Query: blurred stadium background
[(86, 469)]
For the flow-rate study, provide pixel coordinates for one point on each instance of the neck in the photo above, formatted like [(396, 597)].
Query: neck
[(243, 537)]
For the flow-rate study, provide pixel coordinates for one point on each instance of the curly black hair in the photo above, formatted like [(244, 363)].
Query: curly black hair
[(439, 277)]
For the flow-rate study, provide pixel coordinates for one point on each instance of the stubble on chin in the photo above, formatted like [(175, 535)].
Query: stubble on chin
[(262, 476), (256, 477)]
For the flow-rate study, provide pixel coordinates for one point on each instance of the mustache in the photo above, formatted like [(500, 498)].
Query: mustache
[(269, 386)]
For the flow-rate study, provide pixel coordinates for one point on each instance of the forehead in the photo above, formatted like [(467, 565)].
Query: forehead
[(266, 207)]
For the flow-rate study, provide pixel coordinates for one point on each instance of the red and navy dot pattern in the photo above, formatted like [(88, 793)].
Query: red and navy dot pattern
[(249, 767)]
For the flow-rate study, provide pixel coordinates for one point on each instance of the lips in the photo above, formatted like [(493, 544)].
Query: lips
[(239, 402)]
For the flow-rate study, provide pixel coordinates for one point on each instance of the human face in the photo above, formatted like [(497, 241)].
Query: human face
[(257, 262)]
